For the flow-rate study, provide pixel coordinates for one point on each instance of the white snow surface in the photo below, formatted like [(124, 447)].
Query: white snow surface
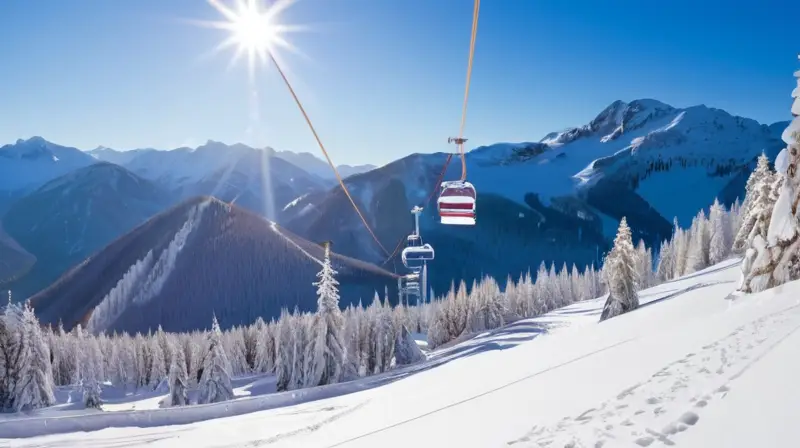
[(791, 130), (694, 366), (782, 161)]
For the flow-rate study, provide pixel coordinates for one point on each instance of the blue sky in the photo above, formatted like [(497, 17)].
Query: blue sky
[(382, 78)]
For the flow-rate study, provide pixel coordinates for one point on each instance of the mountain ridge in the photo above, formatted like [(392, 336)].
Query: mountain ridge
[(198, 258)]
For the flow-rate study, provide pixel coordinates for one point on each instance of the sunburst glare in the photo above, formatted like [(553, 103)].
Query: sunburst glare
[(254, 29)]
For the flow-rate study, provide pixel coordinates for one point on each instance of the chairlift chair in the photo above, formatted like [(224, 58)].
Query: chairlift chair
[(457, 203), (416, 257)]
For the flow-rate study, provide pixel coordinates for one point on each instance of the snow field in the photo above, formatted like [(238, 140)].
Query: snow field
[(661, 375)]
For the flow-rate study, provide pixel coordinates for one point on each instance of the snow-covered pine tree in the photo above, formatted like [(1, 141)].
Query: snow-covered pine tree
[(384, 337), (719, 227), (158, 371), (166, 348), (620, 275), (762, 174), (283, 352), (666, 262), (35, 387), (178, 377), (12, 345), (699, 244), (644, 265), (215, 384), (784, 229), (91, 376), (265, 346), (758, 263), (300, 336), (329, 350)]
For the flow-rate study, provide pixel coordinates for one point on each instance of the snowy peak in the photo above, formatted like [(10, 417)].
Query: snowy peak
[(30, 149), (27, 164), (101, 175), (616, 119)]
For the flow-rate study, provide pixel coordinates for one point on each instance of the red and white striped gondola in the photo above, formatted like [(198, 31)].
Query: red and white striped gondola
[(457, 203)]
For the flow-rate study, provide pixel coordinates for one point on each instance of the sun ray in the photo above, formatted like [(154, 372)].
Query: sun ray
[(254, 29)]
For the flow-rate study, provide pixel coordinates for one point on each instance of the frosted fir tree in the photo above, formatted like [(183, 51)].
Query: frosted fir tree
[(215, 383), (783, 236), (265, 346), (90, 368), (758, 263), (620, 275), (699, 244), (762, 174), (284, 342), (158, 370), (719, 227), (384, 338), (328, 353), (178, 378), (301, 324), (35, 387), (666, 262), (644, 265)]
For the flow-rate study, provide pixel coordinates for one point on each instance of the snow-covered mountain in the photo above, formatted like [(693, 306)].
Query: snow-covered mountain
[(27, 164), (232, 172), (199, 258), (558, 198), (319, 167), (69, 218), (256, 179)]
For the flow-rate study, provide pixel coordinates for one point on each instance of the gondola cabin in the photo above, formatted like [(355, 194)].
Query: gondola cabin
[(457, 203)]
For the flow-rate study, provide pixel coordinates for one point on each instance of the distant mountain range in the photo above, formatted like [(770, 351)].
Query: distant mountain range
[(558, 200)]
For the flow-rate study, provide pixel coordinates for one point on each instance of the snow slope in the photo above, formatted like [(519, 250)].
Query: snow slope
[(689, 369)]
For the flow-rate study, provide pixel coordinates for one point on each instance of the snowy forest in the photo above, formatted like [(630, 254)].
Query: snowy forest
[(331, 345)]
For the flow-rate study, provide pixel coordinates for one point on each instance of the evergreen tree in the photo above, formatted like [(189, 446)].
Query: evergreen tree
[(758, 263), (35, 386), (328, 350), (749, 211), (720, 241), (215, 383), (783, 236), (620, 275), (178, 378), (283, 352)]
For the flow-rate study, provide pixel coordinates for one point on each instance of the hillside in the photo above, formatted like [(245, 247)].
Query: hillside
[(15, 261), (690, 368), (75, 215), (644, 159), (198, 258)]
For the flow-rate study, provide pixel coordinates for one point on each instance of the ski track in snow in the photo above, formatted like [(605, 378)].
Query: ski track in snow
[(671, 401)]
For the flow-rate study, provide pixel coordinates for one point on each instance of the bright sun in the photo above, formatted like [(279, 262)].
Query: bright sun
[(254, 29)]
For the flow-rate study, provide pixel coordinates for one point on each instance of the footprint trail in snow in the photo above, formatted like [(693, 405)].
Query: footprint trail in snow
[(671, 401)]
